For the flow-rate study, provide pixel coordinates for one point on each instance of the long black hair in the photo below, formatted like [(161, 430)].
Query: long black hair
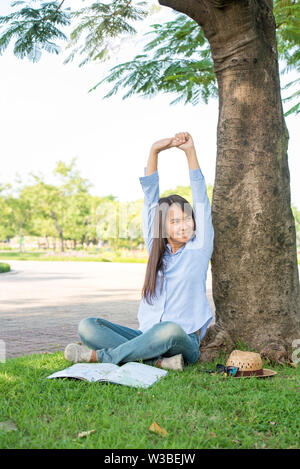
[(159, 243)]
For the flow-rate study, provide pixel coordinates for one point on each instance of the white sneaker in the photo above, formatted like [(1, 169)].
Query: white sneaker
[(173, 363), (77, 353)]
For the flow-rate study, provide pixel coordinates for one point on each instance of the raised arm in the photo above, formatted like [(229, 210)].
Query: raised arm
[(152, 162), (202, 211), (201, 204), (150, 186)]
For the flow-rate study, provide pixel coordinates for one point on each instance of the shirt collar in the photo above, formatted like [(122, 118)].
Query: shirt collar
[(170, 250)]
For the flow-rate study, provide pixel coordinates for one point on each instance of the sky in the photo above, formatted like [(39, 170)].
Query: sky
[(47, 115)]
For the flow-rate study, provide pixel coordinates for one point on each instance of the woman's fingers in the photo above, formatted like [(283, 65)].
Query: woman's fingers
[(181, 137), (165, 143)]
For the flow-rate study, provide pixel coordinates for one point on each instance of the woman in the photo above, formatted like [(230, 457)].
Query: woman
[(174, 312)]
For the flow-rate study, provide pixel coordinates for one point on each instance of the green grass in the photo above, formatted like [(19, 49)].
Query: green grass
[(196, 409), (41, 256), (4, 267)]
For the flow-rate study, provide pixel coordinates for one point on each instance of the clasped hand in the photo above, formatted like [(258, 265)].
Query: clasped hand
[(182, 140)]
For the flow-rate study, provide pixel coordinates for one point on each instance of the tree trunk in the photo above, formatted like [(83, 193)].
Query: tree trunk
[(59, 230), (255, 277)]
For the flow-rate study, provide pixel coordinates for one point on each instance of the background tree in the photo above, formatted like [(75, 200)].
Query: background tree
[(66, 209), (19, 211), (40, 225), (108, 222), (65, 204), (133, 222), (92, 229), (49, 203), (77, 218), (6, 230)]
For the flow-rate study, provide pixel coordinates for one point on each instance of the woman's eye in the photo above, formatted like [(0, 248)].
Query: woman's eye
[(187, 220)]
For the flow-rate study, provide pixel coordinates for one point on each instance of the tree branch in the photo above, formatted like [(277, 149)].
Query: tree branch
[(219, 3), (53, 13), (224, 3), (119, 11), (195, 9)]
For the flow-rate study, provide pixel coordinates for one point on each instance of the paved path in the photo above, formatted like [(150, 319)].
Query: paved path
[(41, 303)]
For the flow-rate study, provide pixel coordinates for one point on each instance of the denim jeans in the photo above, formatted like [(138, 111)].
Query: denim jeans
[(119, 344)]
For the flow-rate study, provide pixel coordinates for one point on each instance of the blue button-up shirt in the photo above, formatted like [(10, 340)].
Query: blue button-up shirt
[(183, 298)]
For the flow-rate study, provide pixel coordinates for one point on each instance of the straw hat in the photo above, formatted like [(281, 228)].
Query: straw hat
[(249, 363)]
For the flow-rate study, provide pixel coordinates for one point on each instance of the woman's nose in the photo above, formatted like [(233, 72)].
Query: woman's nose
[(184, 228)]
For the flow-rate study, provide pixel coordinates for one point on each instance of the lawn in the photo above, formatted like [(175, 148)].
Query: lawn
[(82, 256), (85, 257), (197, 410)]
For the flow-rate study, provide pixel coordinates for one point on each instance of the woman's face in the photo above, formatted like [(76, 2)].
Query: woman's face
[(179, 224)]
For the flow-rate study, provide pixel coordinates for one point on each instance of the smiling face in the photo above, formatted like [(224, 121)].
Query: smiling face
[(179, 224)]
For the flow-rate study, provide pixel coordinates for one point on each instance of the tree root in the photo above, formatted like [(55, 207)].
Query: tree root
[(275, 352), (218, 341)]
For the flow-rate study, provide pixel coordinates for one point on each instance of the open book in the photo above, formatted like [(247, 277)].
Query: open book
[(131, 374)]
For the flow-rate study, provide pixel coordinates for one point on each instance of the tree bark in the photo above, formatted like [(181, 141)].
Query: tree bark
[(255, 277)]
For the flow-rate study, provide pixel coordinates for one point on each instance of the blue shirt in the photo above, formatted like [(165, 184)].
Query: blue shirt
[(183, 298)]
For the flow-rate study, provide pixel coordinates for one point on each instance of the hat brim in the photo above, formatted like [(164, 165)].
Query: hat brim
[(266, 374)]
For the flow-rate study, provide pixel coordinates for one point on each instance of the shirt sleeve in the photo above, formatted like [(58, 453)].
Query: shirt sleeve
[(202, 211), (150, 186)]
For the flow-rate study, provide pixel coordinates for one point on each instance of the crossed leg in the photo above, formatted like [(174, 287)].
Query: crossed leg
[(113, 343)]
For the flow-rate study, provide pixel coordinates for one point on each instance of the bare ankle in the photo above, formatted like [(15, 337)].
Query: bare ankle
[(93, 358)]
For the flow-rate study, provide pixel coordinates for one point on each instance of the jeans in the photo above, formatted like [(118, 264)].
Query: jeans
[(119, 344)]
